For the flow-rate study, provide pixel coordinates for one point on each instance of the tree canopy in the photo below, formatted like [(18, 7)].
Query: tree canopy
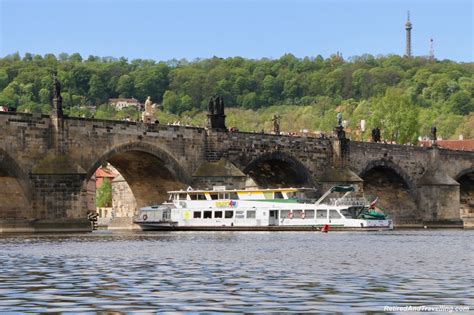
[(403, 96)]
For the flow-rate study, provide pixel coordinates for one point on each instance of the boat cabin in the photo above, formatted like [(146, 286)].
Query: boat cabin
[(290, 194)]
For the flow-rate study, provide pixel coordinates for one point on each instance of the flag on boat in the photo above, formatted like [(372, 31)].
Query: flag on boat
[(373, 203)]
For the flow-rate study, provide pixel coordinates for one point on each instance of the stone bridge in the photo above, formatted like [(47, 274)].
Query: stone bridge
[(46, 162)]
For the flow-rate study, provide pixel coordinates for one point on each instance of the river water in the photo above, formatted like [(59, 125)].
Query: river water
[(147, 272)]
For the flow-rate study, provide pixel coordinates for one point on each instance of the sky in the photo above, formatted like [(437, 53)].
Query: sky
[(164, 30)]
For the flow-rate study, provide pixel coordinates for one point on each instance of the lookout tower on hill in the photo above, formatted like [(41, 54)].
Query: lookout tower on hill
[(408, 28)]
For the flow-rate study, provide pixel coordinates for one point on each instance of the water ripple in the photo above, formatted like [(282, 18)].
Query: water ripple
[(234, 271)]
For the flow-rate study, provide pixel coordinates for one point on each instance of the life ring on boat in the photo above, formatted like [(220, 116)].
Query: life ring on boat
[(302, 215), (144, 217), (290, 215)]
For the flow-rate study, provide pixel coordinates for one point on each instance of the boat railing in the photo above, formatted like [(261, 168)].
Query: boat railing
[(348, 201)]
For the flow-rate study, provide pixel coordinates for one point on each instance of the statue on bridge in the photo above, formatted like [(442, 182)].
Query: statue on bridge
[(376, 134), (148, 113), (276, 124), (56, 87), (338, 131), (215, 114), (57, 98), (216, 105), (339, 119), (433, 135)]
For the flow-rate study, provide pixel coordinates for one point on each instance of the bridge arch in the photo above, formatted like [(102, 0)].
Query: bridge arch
[(389, 166), (395, 189), (278, 169), (149, 170), (16, 191), (465, 178)]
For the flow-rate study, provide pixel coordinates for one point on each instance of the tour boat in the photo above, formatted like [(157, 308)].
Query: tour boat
[(262, 210)]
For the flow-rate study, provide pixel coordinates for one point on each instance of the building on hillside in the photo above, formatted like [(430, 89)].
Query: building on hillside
[(460, 145), (121, 103)]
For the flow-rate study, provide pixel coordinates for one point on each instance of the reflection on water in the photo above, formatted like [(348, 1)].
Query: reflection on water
[(235, 271)]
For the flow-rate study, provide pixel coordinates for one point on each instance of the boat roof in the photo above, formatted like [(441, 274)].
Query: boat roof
[(288, 189)]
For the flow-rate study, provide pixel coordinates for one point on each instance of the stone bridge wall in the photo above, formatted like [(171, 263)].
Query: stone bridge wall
[(242, 148), (51, 160)]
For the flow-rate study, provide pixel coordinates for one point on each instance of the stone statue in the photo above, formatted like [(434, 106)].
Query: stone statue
[(376, 134), (276, 124), (210, 106), (56, 87), (215, 113), (148, 113), (433, 133), (57, 98), (217, 101), (339, 119), (148, 105), (220, 106)]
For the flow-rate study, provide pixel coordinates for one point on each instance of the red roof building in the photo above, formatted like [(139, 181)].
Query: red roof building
[(101, 173), (460, 145)]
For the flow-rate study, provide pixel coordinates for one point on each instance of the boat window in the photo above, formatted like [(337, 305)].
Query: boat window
[(346, 213), (297, 214), (268, 195), (201, 197), (197, 214), (309, 214), (229, 214), (182, 196), (284, 214), (218, 214), (240, 214), (214, 196), (207, 215), (233, 195), (193, 196), (278, 195), (321, 214), (333, 214), (291, 195), (223, 196), (251, 214)]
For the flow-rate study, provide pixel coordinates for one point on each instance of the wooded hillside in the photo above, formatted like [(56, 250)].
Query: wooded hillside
[(403, 96)]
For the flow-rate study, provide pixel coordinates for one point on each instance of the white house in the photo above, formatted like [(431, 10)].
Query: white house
[(121, 103)]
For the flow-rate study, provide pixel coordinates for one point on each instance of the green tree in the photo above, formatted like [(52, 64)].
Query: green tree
[(105, 111), (125, 86), (396, 116), (151, 81), (45, 96), (461, 103), (185, 104), (171, 102), (97, 89), (250, 101), (6, 101), (3, 79), (104, 194)]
